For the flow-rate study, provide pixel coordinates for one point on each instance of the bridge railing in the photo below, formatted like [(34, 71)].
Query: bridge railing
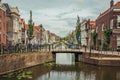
[(48, 48), (87, 50)]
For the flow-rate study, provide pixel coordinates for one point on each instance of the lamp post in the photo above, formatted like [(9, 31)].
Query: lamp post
[(40, 35), (101, 43), (113, 47), (90, 41)]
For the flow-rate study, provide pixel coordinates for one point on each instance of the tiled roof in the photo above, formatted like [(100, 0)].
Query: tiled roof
[(36, 28), (93, 23), (117, 4)]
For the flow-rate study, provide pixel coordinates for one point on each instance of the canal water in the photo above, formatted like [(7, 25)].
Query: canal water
[(66, 69)]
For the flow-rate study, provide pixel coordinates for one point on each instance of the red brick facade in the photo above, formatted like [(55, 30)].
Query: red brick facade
[(22, 24), (109, 19), (2, 25)]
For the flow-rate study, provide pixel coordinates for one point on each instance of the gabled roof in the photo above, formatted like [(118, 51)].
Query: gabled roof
[(109, 9), (8, 9), (93, 24), (15, 10), (36, 28), (117, 4)]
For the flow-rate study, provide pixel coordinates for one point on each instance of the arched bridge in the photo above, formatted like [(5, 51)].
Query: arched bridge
[(77, 52)]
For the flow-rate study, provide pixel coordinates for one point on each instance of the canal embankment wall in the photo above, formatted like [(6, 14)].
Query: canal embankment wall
[(100, 59), (13, 62)]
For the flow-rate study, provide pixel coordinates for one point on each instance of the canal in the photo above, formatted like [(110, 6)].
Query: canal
[(66, 69)]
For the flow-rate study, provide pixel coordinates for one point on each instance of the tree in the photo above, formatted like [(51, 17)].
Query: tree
[(107, 33), (94, 36), (30, 27), (78, 30)]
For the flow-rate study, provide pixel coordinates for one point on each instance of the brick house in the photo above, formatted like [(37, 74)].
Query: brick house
[(109, 19), (87, 28), (90, 27), (8, 23), (2, 24), (13, 24), (84, 36), (22, 24), (36, 35)]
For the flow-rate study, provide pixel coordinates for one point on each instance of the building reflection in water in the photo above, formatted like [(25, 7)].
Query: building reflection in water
[(79, 71)]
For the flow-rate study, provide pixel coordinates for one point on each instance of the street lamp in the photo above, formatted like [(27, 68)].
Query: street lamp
[(90, 41), (40, 35)]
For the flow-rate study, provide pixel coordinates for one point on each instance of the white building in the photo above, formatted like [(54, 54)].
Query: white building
[(83, 33), (16, 25)]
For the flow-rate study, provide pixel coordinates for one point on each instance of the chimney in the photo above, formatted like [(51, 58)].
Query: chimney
[(111, 3)]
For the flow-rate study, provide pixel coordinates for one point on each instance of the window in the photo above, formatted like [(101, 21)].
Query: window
[(4, 26), (118, 21), (97, 29), (118, 40), (111, 24), (4, 37), (102, 27)]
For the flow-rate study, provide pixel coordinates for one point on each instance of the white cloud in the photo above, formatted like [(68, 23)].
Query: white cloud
[(59, 16)]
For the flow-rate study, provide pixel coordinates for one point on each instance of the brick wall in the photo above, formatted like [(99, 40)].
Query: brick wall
[(12, 62)]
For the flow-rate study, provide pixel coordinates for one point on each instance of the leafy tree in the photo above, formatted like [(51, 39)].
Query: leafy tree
[(94, 36), (78, 30), (30, 27), (107, 33)]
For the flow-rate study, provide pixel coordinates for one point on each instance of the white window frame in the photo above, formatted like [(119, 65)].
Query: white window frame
[(118, 40), (102, 27), (97, 29), (118, 21), (111, 24)]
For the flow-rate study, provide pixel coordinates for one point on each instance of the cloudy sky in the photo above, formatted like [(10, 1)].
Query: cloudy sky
[(59, 16)]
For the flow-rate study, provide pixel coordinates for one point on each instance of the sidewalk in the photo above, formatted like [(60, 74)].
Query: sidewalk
[(101, 52)]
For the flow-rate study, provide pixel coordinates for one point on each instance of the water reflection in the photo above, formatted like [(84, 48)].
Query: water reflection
[(81, 71), (65, 59), (69, 70)]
